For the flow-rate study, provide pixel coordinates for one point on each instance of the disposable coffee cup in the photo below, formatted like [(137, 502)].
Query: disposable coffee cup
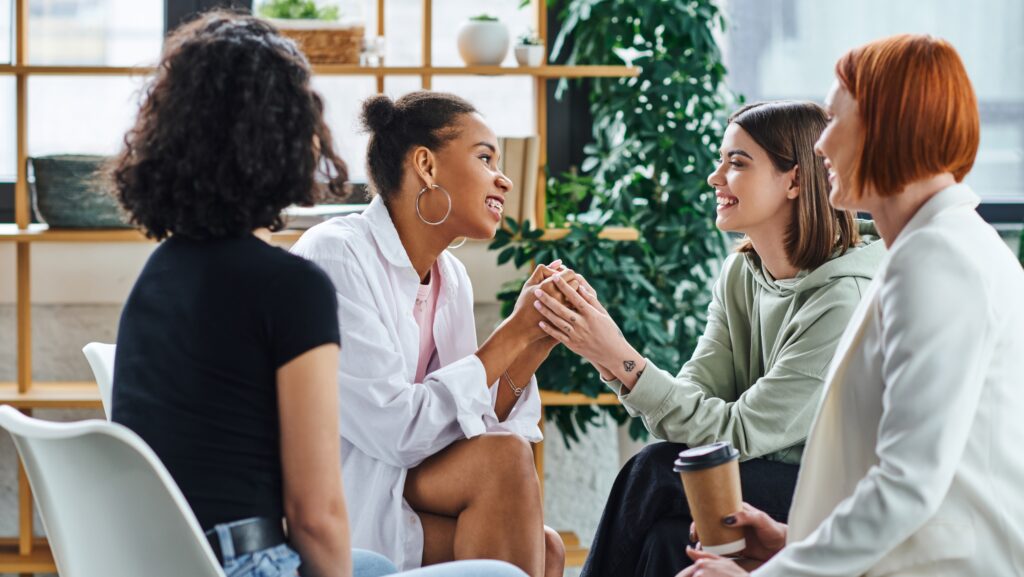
[(711, 481)]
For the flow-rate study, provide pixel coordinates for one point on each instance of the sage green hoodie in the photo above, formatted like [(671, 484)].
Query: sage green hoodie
[(756, 376)]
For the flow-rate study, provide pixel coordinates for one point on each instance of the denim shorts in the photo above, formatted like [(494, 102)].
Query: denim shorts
[(278, 561)]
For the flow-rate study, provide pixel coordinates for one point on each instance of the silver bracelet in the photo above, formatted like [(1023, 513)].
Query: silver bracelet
[(517, 391)]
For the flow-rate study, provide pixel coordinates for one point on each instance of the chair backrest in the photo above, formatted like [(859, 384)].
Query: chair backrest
[(107, 503), (101, 359)]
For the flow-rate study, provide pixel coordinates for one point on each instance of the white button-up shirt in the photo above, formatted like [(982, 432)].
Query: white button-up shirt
[(389, 423)]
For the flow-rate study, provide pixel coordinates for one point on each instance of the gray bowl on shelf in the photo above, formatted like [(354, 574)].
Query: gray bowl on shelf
[(67, 192)]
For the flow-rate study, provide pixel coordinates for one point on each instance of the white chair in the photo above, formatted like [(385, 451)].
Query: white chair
[(108, 505), (101, 360)]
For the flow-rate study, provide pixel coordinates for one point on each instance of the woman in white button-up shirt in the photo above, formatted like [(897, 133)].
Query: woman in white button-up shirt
[(439, 467), (913, 466)]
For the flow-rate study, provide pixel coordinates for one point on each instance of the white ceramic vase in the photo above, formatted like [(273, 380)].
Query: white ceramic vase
[(530, 54), (483, 42)]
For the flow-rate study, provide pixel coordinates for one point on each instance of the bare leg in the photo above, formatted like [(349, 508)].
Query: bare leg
[(439, 544), (438, 538), (488, 485), (554, 553)]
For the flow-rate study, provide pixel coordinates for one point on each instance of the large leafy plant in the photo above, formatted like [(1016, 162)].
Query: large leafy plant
[(654, 140)]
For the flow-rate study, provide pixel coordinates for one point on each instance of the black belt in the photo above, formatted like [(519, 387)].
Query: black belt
[(249, 536)]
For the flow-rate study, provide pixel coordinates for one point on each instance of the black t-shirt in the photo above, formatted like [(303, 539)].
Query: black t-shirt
[(206, 327)]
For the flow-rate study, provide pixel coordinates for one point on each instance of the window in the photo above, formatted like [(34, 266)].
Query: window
[(6, 40), (788, 49), (86, 114), (78, 114), (95, 32)]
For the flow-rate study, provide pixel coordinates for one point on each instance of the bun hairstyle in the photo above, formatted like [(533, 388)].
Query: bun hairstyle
[(421, 118)]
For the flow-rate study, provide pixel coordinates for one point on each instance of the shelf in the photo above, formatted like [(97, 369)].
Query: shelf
[(65, 395), (556, 399), (575, 553), (608, 71), (624, 233), (42, 233), (40, 560), (85, 395)]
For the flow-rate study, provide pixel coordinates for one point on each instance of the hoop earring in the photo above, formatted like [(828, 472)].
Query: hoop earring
[(447, 195), (455, 246)]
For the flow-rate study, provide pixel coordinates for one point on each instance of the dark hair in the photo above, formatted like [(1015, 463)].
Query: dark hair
[(229, 133), (787, 130), (421, 118)]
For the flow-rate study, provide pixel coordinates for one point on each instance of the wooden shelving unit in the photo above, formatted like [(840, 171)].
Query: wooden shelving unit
[(41, 233), (26, 554), (57, 395), (354, 70)]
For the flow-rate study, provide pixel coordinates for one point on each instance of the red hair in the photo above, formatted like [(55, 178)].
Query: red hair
[(918, 108)]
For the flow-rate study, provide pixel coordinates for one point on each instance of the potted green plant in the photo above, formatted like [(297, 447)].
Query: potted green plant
[(529, 49), (483, 41), (645, 167), (298, 10), (320, 31)]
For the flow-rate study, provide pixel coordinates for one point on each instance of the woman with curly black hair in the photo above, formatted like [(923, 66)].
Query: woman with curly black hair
[(227, 348)]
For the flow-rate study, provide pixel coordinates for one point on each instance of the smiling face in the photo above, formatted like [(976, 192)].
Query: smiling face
[(841, 144), (753, 196), (467, 167)]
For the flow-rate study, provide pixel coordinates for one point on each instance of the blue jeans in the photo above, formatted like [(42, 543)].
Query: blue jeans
[(283, 561), (368, 564)]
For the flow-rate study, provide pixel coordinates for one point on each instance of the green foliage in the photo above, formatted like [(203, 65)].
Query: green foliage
[(566, 197), (1020, 247), (484, 18), (655, 139), (292, 9), (529, 38)]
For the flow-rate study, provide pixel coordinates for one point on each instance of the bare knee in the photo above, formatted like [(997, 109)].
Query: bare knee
[(506, 461), (506, 452), (554, 552)]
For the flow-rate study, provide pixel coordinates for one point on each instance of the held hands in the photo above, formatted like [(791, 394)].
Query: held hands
[(525, 316), (765, 537), (539, 275), (580, 322)]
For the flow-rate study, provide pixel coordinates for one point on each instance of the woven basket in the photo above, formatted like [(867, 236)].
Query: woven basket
[(325, 42), (67, 193)]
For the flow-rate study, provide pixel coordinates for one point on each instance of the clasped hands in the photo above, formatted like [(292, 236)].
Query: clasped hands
[(559, 305)]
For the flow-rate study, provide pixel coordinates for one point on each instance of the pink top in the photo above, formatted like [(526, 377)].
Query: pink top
[(423, 311)]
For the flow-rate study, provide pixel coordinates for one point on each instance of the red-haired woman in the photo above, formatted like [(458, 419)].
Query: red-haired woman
[(912, 466)]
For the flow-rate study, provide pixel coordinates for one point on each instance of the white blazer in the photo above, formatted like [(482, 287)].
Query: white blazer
[(389, 423), (915, 462)]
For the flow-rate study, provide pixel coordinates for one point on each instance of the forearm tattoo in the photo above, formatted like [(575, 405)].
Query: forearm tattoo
[(629, 366)]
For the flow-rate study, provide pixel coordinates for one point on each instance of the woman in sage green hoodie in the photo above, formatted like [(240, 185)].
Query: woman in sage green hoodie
[(777, 312)]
